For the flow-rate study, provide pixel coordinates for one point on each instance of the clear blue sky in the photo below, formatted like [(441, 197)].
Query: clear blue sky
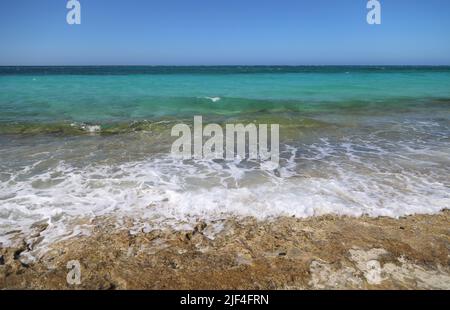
[(207, 32)]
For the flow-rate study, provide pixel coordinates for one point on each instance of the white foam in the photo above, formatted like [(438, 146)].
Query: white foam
[(162, 191), (88, 128), (93, 128), (213, 99)]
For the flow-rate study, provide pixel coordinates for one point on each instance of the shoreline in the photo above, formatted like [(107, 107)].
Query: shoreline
[(326, 252)]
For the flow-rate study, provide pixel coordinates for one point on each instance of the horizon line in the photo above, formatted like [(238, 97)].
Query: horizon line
[(241, 65)]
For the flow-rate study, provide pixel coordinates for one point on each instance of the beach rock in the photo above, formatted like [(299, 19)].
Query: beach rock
[(328, 252)]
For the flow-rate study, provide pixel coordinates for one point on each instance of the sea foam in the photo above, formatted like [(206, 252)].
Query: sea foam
[(213, 99), (160, 191)]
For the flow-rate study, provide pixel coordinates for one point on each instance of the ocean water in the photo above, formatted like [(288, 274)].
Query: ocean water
[(81, 142)]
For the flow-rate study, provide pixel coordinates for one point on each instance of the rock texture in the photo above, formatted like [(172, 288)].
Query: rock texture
[(327, 252)]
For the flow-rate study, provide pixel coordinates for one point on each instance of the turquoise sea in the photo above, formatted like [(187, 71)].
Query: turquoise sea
[(42, 96), (80, 142)]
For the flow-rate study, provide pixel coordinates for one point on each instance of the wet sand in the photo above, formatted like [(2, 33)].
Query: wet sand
[(327, 252)]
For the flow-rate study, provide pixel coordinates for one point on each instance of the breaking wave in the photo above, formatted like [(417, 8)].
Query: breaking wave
[(349, 178)]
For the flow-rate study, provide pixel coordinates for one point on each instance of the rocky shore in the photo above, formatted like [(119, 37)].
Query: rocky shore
[(327, 252)]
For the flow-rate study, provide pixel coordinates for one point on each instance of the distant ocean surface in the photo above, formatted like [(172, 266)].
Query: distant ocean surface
[(80, 142)]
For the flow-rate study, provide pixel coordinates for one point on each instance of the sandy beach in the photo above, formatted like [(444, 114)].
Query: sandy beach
[(326, 252)]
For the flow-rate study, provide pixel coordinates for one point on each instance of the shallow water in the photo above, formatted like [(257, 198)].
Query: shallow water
[(83, 142)]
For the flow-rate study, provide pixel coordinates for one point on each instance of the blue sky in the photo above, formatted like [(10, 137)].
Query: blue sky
[(225, 32)]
